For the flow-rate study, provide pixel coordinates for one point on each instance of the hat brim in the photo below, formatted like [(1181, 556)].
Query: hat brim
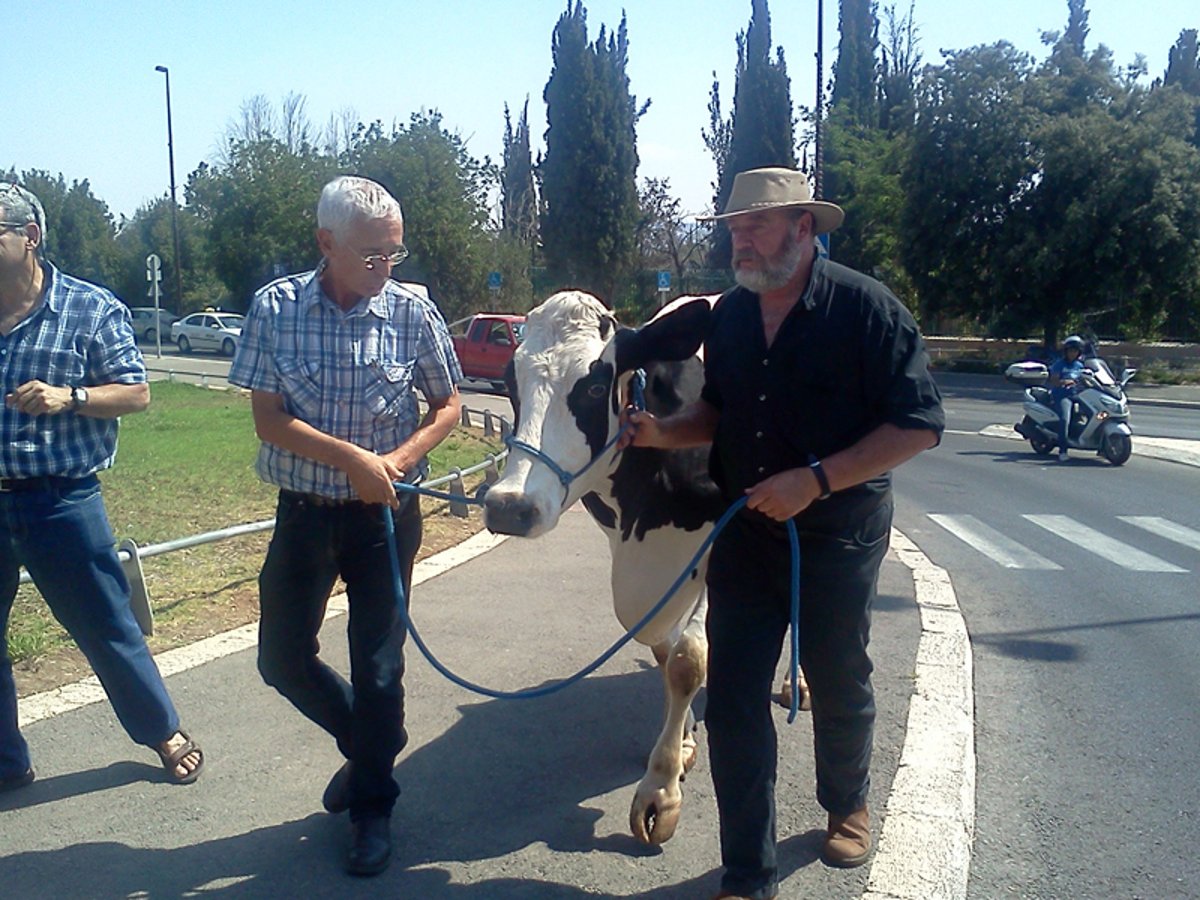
[(826, 216)]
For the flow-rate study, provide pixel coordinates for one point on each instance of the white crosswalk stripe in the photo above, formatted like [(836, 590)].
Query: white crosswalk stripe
[(992, 543), (1172, 531), (1102, 545)]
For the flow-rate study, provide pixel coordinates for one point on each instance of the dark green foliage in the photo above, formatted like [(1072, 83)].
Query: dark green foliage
[(589, 172), (517, 195), (1051, 196), (149, 231), (855, 73), (80, 234), (443, 191), (761, 130), (260, 213)]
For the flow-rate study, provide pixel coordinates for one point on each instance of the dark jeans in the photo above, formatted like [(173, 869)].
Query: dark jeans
[(748, 617), (62, 536), (312, 545)]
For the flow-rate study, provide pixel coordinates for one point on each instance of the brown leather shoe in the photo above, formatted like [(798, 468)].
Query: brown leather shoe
[(848, 841)]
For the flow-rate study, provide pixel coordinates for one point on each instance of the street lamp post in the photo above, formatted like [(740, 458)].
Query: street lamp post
[(818, 179), (174, 205)]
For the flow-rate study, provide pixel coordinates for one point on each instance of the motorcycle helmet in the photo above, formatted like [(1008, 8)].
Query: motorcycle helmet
[(1073, 342)]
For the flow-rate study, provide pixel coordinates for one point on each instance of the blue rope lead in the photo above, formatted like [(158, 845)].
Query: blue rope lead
[(554, 687)]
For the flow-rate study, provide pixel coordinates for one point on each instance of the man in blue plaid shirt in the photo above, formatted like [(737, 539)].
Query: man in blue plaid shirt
[(70, 368), (332, 358)]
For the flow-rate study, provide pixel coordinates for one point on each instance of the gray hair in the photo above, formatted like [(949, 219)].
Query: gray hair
[(22, 206), (350, 197)]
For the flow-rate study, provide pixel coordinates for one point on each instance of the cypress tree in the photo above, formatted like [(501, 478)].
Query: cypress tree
[(517, 195), (761, 127), (589, 173)]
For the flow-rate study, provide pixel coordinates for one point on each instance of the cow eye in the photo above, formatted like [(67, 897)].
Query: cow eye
[(596, 391)]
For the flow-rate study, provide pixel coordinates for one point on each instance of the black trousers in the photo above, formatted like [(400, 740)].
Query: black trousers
[(312, 545), (748, 618)]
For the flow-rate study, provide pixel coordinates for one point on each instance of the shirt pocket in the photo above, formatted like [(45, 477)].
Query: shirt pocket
[(388, 387), (300, 383)]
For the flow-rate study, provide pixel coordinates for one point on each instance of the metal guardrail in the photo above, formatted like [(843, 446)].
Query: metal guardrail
[(131, 555)]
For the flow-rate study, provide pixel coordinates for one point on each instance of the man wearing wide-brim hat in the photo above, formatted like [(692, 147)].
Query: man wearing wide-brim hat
[(816, 387)]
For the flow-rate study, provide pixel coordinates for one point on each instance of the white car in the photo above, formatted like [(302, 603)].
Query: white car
[(217, 331)]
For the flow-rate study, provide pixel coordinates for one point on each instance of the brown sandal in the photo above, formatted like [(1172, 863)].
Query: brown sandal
[(170, 760)]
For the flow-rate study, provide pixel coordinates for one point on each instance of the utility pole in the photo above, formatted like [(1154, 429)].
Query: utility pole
[(818, 187), (174, 204)]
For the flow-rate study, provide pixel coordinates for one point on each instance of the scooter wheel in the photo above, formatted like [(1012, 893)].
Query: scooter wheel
[(1117, 448), (1041, 446)]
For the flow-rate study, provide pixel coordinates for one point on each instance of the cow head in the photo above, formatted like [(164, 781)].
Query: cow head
[(568, 381)]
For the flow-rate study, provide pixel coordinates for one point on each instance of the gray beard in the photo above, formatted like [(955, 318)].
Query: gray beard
[(776, 273)]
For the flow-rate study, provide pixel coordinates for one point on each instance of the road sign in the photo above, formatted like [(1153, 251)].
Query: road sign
[(153, 268), (495, 279), (664, 281)]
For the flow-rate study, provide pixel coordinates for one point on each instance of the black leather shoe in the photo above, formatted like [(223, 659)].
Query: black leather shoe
[(336, 798), (16, 781), (370, 846)]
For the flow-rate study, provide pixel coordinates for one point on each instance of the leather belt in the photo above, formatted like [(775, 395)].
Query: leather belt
[(318, 500), (37, 483)]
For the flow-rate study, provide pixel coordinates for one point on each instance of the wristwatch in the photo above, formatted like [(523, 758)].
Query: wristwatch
[(79, 397)]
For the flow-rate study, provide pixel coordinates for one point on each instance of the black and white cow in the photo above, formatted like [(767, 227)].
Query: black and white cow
[(570, 376)]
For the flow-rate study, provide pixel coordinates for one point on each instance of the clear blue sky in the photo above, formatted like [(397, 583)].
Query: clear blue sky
[(82, 96)]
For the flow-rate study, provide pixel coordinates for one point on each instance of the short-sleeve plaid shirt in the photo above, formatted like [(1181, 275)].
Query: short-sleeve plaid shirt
[(350, 374), (81, 335)]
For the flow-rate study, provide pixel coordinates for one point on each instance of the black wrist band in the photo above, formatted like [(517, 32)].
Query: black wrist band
[(822, 478)]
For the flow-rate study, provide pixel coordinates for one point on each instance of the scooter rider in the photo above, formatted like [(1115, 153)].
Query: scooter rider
[(1064, 374)]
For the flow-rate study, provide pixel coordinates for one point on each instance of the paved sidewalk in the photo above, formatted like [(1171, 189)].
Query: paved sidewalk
[(501, 799)]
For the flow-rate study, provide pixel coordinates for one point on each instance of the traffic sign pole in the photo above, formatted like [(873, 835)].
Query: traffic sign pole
[(154, 276)]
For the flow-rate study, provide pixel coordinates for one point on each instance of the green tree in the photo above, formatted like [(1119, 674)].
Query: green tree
[(589, 172), (1047, 197), (518, 197), (80, 234), (761, 128), (149, 231), (259, 211), (1183, 72), (855, 72), (443, 191)]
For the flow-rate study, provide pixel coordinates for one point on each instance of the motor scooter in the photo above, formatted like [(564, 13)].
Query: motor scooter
[(1099, 410)]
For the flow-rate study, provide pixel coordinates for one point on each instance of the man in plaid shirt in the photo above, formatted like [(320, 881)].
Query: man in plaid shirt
[(70, 367), (332, 358)]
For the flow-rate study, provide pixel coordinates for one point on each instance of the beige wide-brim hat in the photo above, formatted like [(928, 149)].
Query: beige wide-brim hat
[(758, 190)]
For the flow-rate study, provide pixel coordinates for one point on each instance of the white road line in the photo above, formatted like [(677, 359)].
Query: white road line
[(1102, 545), (1172, 531), (924, 848), (992, 543)]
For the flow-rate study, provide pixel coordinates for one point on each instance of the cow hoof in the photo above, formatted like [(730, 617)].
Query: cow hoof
[(690, 754), (652, 825)]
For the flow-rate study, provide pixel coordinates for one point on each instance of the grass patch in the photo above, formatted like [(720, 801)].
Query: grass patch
[(184, 467)]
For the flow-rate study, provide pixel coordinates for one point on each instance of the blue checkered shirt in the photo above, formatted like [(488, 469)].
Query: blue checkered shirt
[(349, 374), (81, 335)]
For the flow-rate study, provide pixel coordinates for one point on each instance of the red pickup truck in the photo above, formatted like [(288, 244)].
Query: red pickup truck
[(485, 343)]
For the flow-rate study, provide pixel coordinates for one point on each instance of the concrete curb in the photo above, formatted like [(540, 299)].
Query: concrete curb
[(924, 848)]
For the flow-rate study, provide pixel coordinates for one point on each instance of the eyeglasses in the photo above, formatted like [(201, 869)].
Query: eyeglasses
[(15, 226), (397, 256)]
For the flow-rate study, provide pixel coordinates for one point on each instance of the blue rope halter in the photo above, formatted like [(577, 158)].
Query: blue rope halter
[(637, 397)]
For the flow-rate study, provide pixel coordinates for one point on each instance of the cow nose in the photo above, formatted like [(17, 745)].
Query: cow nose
[(510, 515)]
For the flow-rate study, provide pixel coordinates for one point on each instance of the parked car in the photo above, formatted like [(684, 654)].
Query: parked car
[(209, 330), (144, 328), (485, 344)]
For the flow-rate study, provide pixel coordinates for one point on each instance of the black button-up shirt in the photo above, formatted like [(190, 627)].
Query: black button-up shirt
[(847, 358)]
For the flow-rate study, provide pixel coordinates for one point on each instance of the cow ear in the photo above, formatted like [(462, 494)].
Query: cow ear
[(671, 337)]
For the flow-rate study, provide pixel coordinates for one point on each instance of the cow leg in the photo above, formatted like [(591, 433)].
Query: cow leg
[(658, 802)]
